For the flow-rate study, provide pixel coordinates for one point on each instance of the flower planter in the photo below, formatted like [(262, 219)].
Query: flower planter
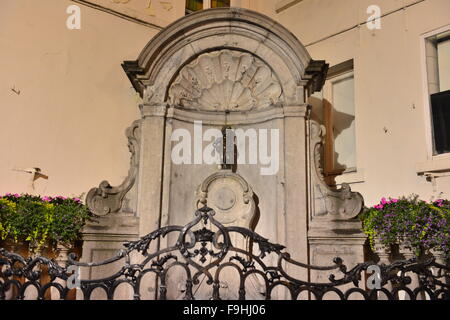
[(43, 222), (414, 225), (383, 251), (439, 255)]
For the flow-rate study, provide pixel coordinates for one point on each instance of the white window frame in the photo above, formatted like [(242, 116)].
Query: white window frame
[(328, 94), (440, 162), (233, 3), (350, 175)]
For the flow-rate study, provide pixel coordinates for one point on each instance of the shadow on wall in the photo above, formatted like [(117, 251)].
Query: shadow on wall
[(323, 112)]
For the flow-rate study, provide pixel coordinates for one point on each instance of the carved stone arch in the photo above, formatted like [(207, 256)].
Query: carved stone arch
[(152, 73)]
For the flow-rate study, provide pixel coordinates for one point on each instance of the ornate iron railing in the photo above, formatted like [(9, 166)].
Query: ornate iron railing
[(203, 255)]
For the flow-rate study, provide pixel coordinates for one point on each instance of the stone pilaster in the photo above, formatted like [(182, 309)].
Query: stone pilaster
[(151, 168)]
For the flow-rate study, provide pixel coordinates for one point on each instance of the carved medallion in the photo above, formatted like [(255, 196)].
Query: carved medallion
[(230, 196)]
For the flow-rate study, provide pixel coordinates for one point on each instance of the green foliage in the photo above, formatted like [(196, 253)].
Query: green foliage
[(69, 217), (423, 225), (38, 220)]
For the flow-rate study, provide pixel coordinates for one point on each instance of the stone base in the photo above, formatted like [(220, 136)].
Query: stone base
[(102, 241), (343, 239)]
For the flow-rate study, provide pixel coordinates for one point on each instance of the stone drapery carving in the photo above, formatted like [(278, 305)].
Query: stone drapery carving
[(225, 80), (337, 204), (108, 199)]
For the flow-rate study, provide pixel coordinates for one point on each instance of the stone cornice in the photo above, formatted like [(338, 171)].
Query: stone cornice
[(226, 28)]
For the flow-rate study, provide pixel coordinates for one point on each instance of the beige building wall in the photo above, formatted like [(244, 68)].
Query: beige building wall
[(392, 124), (75, 101)]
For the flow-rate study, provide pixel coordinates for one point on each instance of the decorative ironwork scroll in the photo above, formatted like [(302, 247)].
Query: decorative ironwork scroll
[(203, 250)]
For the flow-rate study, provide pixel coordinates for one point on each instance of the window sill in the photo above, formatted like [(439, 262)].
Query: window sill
[(437, 164), (282, 5), (350, 177)]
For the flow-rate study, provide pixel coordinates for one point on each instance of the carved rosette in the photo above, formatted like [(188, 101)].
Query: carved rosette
[(328, 203), (225, 81), (108, 199)]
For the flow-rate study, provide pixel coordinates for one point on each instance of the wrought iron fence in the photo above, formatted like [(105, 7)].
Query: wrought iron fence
[(202, 251)]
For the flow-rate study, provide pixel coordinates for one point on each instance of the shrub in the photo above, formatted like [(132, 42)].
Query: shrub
[(38, 220), (69, 217)]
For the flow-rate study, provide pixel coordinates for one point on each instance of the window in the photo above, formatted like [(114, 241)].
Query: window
[(220, 3), (334, 107), (193, 5), (438, 73), (196, 5)]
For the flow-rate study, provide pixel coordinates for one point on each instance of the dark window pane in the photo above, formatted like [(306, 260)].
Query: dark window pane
[(440, 107), (194, 5), (220, 3)]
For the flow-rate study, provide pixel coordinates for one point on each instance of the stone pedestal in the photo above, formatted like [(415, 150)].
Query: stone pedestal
[(439, 257), (62, 252), (332, 239), (334, 229), (103, 240), (384, 253), (35, 251), (442, 260), (408, 253)]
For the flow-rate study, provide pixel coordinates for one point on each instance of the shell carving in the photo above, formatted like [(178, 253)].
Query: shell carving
[(225, 81)]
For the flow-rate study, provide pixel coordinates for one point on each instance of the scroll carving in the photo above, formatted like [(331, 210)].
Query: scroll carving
[(336, 204), (107, 199)]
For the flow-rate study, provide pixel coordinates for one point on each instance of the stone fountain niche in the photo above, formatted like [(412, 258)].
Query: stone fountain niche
[(238, 69)]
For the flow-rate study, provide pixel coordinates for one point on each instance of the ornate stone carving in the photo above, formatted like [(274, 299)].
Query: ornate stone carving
[(107, 199), (342, 203), (230, 196), (316, 72), (225, 81)]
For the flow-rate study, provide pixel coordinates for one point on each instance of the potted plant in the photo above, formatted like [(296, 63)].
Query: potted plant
[(410, 222)]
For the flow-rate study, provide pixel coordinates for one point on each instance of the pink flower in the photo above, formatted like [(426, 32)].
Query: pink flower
[(8, 194), (383, 201), (16, 195), (394, 200), (77, 200), (47, 199), (439, 202), (379, 207)]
